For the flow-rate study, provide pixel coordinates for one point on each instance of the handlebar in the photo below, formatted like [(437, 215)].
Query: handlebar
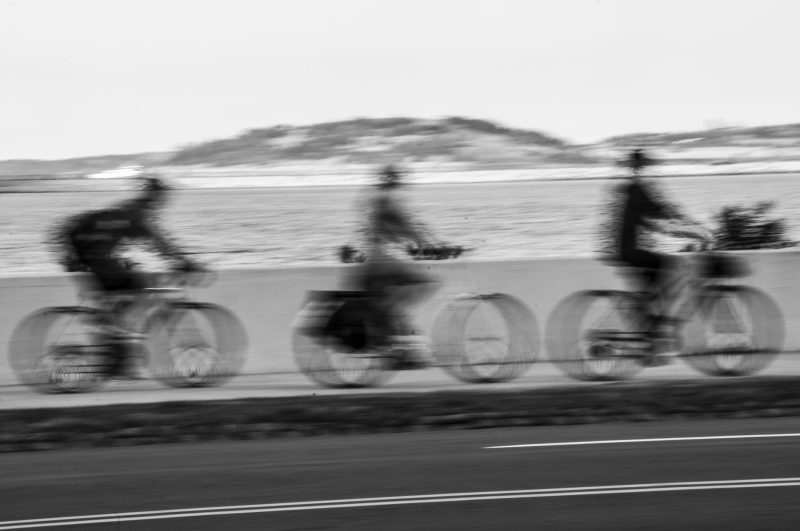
[(440, 251), (703, 237), (434, 251)]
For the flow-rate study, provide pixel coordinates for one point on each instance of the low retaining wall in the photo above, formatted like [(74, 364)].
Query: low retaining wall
[(176, 422), (267, 299)]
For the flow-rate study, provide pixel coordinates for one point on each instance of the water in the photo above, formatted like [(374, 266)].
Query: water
[(279, 226)]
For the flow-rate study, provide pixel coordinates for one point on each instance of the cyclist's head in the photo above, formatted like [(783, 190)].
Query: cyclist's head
[(637, 161), (389, 176), (154, 191)]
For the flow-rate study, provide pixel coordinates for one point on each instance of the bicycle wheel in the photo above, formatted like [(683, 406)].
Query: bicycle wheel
[(195, 345), (485, 338), (594, 335), (330, 346), (55, 350), (734, 331)]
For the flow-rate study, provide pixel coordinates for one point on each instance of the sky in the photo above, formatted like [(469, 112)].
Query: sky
[(92, 77)]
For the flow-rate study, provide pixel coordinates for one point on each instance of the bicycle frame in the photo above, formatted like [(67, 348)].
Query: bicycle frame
[(722, 327), (688, 286), (143, 303)]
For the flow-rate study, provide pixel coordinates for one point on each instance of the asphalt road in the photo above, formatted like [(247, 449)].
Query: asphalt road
[(428, 480), (542, 374)]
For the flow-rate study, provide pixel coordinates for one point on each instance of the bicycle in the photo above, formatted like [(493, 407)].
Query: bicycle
[(182, 343), (476, 338), (716, 327)]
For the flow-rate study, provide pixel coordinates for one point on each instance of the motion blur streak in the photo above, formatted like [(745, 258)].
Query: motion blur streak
[(399, 500), (631, 441)]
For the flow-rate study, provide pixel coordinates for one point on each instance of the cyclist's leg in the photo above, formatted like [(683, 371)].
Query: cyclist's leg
[(394, 286), (666, 277), (638, 275), (415, 285), (115, 280), (654, 272), (408, 286), (411, 286), (371, 278), (648, 274)]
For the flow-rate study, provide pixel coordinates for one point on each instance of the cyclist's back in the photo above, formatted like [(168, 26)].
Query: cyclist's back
[(633, 215), (389, 228), (639, 211), (98, 234), (392, 282), (92, 242), (94, 239), (389, 225)]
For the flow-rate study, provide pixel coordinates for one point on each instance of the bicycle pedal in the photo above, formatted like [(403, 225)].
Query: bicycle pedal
[(369, 355), (122, 334), (401, 364), (655, 360)]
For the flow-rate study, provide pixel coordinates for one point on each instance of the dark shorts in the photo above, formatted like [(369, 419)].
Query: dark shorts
[(377, 276), (652, 265), (644, 259), (111, 274)]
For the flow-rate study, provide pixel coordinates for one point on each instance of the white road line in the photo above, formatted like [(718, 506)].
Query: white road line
[(397, 500), (629, 441)]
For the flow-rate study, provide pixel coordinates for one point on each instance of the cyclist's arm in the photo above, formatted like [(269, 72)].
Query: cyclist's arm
[(683, 227), (164, 245), (665, 217), (403, 225)]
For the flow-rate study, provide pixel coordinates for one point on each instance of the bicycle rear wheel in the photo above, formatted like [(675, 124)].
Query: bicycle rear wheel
[(195, 345), (735, 331), (485, 338), (331, 346), (55, 350), (594, 335)]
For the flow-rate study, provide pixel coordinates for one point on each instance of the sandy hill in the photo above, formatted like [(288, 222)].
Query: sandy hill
[(447, 142), (371, 141)]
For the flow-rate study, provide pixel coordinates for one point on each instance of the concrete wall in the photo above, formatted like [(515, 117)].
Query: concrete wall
[(267, 299)]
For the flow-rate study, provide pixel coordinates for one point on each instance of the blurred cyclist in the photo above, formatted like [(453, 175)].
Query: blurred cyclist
[(93, 242), (392, 280), (640, 211)]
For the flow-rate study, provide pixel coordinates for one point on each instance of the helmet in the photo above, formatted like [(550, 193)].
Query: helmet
[(153, 183), (390, 176), (638, 159), (153, 189)]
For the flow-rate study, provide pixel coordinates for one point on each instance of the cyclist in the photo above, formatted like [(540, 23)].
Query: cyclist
[(393, 282), (93, 241), (639, 212)]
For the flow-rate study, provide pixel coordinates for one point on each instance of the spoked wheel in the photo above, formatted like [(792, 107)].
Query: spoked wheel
[(595, 336), (340, 359), (195, 345), (330, 363), (485, 338), (55, 350), (735, 331)]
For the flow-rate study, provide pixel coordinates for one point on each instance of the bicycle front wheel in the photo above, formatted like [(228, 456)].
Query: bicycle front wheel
[(734, 331), (596, 336), (195, 345), (485, 338), (55, 350)]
